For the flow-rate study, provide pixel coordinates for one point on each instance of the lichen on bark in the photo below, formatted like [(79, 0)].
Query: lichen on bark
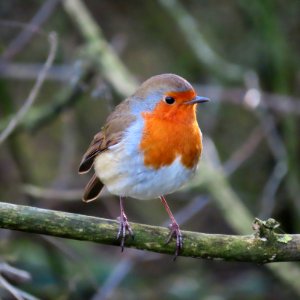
[(248, 248)]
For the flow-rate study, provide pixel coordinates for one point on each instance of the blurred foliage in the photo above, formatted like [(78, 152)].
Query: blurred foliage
[(262, 36)]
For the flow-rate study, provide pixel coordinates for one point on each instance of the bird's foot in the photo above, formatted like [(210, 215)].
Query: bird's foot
[(176, 233), (124, 227)]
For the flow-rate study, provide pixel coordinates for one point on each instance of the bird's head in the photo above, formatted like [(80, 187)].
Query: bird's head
[(166, 96)]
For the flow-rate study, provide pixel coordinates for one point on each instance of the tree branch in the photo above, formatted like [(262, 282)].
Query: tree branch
[(256, 248)]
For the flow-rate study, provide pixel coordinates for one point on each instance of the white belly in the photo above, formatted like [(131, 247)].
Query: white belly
[(121, 168), (126, 175)]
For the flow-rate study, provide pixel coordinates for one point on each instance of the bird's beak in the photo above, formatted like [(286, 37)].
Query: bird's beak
[(198, 99)]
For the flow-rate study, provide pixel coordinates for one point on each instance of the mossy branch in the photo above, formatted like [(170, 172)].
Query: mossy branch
[(271, 247)]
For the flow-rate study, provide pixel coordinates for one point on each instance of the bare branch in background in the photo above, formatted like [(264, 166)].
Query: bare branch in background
[(280, 103), (30, 71), (14, 273), (244, 151), (280, 169), (270, 189), (17, 275), (276, 145), (52, 194), (34, 92), (26, 35), (17, 293)]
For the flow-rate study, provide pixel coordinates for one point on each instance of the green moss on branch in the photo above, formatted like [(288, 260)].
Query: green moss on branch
[(247, 248)]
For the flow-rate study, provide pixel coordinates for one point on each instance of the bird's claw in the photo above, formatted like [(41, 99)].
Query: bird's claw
[(123, 228), (176, 233)]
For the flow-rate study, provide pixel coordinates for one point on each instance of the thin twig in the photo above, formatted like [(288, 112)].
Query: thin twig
[(269, 192), (17, 293), (51, 193), (34, 92), (10, 288), (29, 71), (276, 145), (244, 151), (25, 36), (282, 104), (14, 273)]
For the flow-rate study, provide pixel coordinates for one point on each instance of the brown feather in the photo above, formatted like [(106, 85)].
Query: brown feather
[(92, 189), (89, 156), (110, 135)]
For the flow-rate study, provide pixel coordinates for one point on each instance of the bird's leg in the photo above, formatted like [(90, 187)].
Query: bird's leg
[(123, 225), (174, 227)]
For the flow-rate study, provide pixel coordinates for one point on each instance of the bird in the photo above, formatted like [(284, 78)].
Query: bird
[(149, 147)]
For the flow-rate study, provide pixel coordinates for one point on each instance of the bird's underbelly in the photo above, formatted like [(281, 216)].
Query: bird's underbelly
[(125, 174)]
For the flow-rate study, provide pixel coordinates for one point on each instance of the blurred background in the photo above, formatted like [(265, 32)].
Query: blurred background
[(244, 55)]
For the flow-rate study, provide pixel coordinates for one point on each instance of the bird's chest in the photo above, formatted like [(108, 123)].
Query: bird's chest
[(162, 142), (145, 164)]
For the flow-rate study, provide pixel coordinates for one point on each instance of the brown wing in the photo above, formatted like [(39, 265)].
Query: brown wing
[(110, 134), (97, 145)]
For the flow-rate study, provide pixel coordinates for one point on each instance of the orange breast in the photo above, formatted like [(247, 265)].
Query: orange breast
[(169, 133)]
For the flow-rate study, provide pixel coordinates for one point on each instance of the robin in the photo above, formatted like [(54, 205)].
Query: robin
[(149, 147)]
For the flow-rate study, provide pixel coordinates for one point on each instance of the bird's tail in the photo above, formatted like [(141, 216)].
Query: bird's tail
[(92, 189)]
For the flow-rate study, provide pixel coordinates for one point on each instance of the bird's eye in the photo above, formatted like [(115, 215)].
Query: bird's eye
[(169, 100)]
